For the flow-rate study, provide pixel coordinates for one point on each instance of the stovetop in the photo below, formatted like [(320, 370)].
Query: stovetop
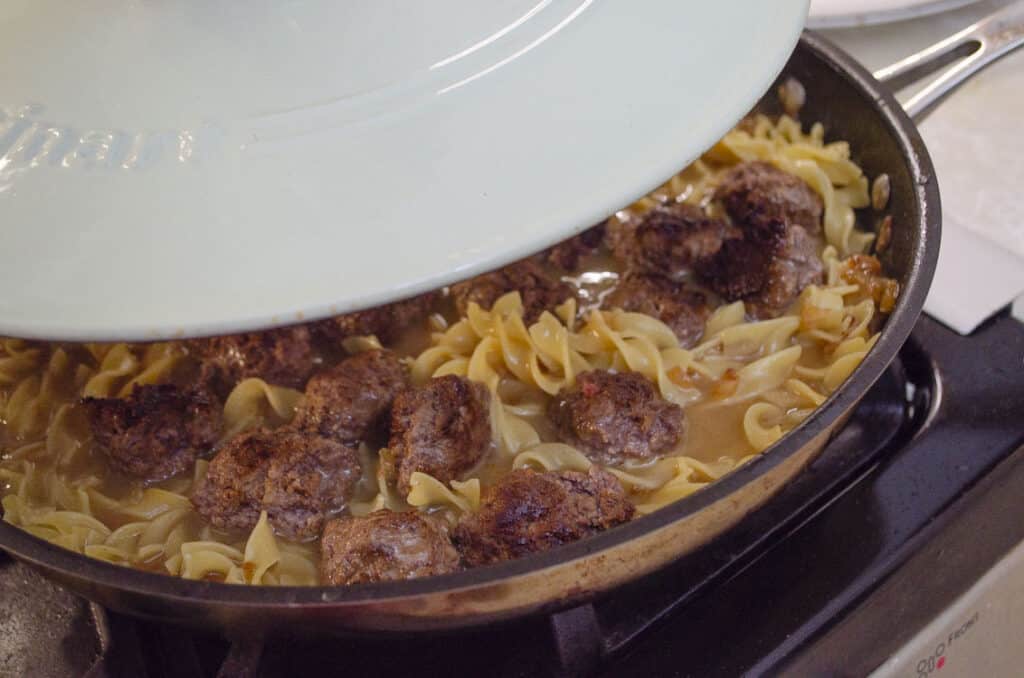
[(909, 505)]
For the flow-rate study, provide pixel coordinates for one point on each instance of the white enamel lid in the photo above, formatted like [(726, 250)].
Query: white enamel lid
[(202, 166)]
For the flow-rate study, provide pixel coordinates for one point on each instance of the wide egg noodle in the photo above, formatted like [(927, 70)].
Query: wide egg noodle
[(725, 316), (28, 409), (764, 374), (116, 368), (208, 559), (428, 492), (262, 560), (261, 552), (253, 403), (553, 457), (737, 344), (18, 359), (761, 427), (690, 475), (157, 363), (122, 367)]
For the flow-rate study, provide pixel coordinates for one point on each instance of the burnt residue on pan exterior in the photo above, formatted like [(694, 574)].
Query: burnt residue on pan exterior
[(852, 106)]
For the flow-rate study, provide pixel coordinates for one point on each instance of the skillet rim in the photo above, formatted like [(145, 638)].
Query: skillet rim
[(879, 102)]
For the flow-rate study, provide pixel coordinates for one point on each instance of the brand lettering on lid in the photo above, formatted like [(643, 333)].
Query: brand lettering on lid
[(28, 140)]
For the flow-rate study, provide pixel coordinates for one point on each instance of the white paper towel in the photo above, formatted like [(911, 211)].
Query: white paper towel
[(1018, 308), (974, 279)]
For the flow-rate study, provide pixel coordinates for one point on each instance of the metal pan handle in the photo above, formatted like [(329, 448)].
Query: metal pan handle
[(962, 55)]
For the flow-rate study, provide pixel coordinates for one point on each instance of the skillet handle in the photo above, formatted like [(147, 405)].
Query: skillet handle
[(969, 51)]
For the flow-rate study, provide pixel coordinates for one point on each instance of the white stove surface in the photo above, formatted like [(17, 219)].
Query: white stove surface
[(979, 635)]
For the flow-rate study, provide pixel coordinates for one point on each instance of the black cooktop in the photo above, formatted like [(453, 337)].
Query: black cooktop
[(910, 504)]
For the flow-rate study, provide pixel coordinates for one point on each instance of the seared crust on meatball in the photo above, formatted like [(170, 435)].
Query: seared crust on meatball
[(540, 290), (670, 239), (385, 322), (795, 266), (350, 401), (684, 309), (757, 193), (307, 484), (385, 546), (527, 512), (767, 268), (157, 431), (281, 356), (298, 478), (441, 428), (231, 493), (741, 268), (567, 254), (614, 417)]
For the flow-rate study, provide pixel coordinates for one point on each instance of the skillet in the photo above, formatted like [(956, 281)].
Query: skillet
[(854, 106)]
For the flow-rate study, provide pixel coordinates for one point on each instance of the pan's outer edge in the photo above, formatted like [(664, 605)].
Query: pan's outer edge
[(555, 578)]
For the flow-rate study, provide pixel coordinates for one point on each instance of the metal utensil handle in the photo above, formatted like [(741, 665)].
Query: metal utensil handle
[(970, 50)]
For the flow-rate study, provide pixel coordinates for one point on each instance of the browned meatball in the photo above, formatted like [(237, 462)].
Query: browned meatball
[(614, 417), (567, 254), (350, 401), (442, 429), (757, 193), (157, 431), (385, 546), (385, 322), (767, 268), (540, 290), (527, 512), (281, 356), (298, 478), (670, 239), (683, 309)]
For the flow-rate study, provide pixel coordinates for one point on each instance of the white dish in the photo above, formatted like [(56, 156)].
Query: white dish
[(188, 167), (848, 13)]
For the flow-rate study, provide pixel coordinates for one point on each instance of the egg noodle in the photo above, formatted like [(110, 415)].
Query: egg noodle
[(743, 387)]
